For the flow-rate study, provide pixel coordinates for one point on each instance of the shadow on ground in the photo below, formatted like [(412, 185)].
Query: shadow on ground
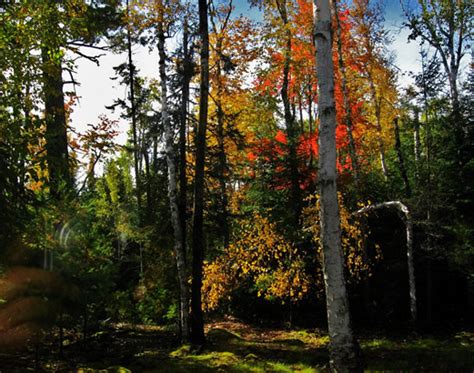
[(236, 347)]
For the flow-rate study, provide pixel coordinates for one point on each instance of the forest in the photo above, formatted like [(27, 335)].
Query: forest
[(281, 195)]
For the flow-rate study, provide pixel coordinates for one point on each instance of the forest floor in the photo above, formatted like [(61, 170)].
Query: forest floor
[(237, 347)]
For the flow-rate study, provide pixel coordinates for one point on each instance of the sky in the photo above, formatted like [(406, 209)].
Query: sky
[(97, 90)]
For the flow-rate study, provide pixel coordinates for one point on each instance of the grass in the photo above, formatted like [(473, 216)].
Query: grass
[(251, 350), (238, 347)]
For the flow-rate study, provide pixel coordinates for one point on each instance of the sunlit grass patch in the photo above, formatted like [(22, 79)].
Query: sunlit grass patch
[(115, 369), (305, 337), (232, 362)]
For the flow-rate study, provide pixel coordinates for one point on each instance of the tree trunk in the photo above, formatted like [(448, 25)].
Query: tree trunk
[(300, 110), (56, 128), (148, 191), (295, 200), (347, 105), (344, 351), (183, 183), (222, 168), (222, 173), (401, 161), (179, 250), (133, 109), (197, 321), (310, 121), (378, 125), (416, 142)]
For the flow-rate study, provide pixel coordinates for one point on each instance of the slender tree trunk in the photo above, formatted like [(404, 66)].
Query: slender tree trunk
[(310, 122), (183, 182), (300, 110), (352, 149), (347, 105), (197, 321), (416, 142), (179, 250), (222, 177), (401, 160), (295, 201), (221, 147), (344, 351), (378, 125), (136, 152), (310, 113), (148, 190)]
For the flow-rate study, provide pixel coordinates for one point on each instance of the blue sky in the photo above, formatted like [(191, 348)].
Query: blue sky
[(97, 90)]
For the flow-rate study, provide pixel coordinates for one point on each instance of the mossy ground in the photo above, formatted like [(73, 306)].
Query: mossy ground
[(237, 347)]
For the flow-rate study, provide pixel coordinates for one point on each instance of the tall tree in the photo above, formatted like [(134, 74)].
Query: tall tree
[(133, 113), (187, 71), (176, 221), (346, 99), (197, 321), (291, 128), (344, 354), (77, 24), (56, 127), (372, 39), (219, 20), (446, 25)]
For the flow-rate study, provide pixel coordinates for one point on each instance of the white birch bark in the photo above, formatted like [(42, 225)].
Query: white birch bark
[(343, 348), (173, 190)]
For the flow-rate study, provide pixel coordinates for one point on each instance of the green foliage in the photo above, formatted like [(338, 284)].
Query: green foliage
[(157, 306)]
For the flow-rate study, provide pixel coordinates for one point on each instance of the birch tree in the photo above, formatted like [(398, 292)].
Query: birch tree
[(344, 356), (176, 222)]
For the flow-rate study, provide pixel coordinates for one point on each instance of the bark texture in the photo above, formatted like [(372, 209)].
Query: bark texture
[(187, 76), (197, 322), (56, 129), (179, 250), (344, 352)]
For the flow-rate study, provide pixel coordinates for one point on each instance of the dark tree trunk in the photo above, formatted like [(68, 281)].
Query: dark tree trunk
[(401, 160), (183, 183), (56, 128), (148, 190), (310, 121), (291, 130), (222, 168), (133, 109), (197, 321), (224, 221), (347, 103), (300, 110)]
